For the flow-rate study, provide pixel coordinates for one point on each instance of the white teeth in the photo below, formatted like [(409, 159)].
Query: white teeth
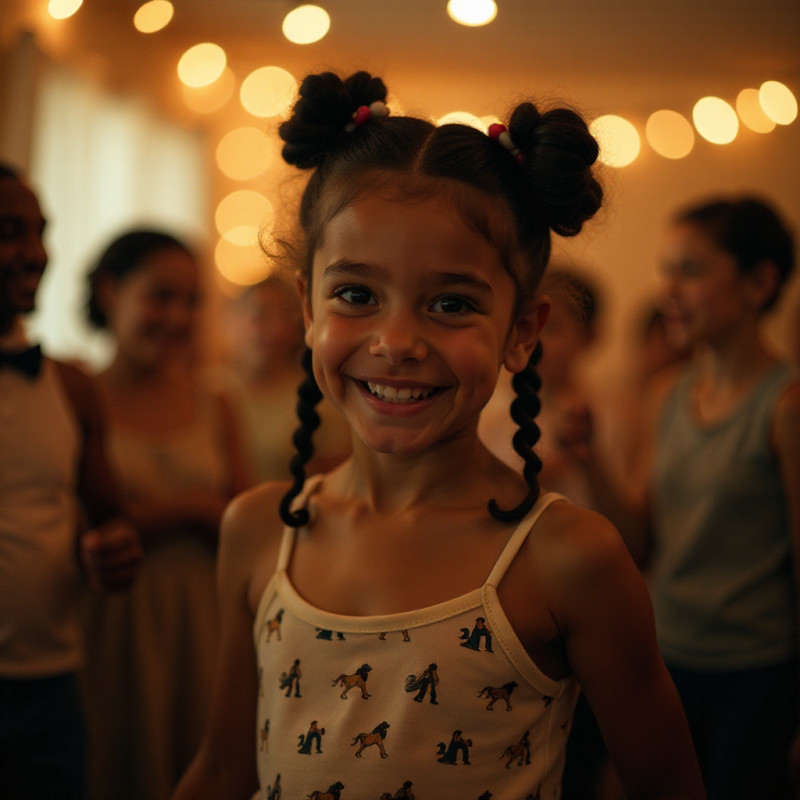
[(392, 395)]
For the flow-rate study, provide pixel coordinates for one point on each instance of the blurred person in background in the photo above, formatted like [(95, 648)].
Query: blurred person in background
[(176, 450), (59, 518), (718, 525), (264, 326)]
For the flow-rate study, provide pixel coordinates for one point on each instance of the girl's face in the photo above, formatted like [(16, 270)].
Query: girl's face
[(565, 338), (706, 296), (409, 316), (152, 310)]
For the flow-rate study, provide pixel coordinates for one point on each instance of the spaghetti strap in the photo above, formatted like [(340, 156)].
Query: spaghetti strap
[(517, 539), (287, 540)]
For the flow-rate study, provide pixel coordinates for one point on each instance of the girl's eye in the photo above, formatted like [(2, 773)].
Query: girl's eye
[(355, 295), (453, 304)]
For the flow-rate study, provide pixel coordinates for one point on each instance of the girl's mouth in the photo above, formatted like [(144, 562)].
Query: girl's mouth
[(390, 394)]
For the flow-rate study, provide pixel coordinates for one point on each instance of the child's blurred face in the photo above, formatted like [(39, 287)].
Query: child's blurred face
[(152, 310), (706, 296), (267, 326), (22, 254), (410, 318), (564, 338)]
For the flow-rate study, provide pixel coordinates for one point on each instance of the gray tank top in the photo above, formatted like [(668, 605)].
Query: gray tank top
[(722, 581)]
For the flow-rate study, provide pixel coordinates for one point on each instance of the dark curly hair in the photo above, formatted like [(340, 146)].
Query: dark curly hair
[(552, 188)]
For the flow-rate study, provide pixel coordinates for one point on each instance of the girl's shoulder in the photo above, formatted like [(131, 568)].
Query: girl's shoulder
[(250, 538)]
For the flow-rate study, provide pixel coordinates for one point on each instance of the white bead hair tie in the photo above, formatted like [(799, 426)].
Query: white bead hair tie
[(363, 114), (499, 131)]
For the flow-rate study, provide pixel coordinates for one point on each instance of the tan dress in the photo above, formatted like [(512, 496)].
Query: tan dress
[(150, 652)]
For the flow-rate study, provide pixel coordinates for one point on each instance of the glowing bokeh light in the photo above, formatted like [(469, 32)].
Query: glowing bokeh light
[(242, 265), (61, 9), (669, 133), (618, 139), (241, 214), (748, 107), (778, 102), (306, 24), (202, 64), (268, 91), (153, 16), (472, 13), (206, 99), (243, 153), (463, 117), (715, 120)]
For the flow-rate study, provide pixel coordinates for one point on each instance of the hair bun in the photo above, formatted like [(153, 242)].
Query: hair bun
[(559, 152), (324, 107)]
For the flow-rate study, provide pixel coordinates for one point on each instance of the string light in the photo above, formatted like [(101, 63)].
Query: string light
[(472, 13), (306, 24), (62, 9), (153, 16)]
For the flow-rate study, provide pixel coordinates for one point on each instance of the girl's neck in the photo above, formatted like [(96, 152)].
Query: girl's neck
[(735, 361), (451, 474)]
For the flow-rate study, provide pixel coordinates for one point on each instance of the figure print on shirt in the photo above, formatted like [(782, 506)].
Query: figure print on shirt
[(403, 793), (263, 737), (327, 635), (274, 792), (427, 679), (473, 639), (368, 739), (291, 679), (334, 792), (312, 737), (358, 680), (458, 744), (406, 637), (495, 693), (521, 751), (274, 625)]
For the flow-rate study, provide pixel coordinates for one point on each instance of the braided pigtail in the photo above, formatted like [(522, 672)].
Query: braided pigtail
[(524, 409), (308, 395)]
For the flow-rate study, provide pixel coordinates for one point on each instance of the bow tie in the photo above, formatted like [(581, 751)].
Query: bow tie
[(28, 362)]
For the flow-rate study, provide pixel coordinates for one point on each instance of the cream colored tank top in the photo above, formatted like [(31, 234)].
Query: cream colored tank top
[(440, 703)]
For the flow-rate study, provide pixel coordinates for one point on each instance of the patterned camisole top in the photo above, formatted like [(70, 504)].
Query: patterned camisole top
[(439, 703)]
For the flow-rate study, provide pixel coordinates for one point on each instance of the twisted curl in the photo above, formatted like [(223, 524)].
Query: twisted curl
[(308, 396), (524, 409)]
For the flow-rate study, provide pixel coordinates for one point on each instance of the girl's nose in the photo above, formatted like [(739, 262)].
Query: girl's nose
[(397, 338)]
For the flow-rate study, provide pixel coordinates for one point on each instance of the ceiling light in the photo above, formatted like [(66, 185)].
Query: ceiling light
[(306, 24), (472, 13)]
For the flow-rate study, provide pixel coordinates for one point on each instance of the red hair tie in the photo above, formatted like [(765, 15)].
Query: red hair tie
[(499, 132)]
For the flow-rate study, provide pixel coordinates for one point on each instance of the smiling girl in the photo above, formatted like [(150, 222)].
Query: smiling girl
[(423, 554)]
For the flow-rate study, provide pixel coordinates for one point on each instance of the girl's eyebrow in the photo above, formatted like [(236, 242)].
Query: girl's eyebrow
[(358, 269)]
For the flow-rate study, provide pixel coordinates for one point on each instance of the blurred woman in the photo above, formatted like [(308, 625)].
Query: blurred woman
[(174, 446)]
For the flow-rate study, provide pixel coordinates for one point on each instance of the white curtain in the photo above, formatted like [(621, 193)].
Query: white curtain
[(102, 164)]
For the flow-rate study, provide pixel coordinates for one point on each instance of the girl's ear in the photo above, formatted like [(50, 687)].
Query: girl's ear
[(305, 303), (525, 333)]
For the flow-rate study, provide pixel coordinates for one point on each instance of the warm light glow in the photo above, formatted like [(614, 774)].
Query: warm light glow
[(464, 117), (268, 91), (778, 102), (153, 16), (205, 99), (748, 107), (669, 133), (715, 120), (618, 139), (61, 9), (240, 215), (241, 265), (202, 64), (472, 12), (243, 153), (306, 24)]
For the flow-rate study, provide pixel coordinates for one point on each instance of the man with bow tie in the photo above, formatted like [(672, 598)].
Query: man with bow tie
[(59, 521)]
